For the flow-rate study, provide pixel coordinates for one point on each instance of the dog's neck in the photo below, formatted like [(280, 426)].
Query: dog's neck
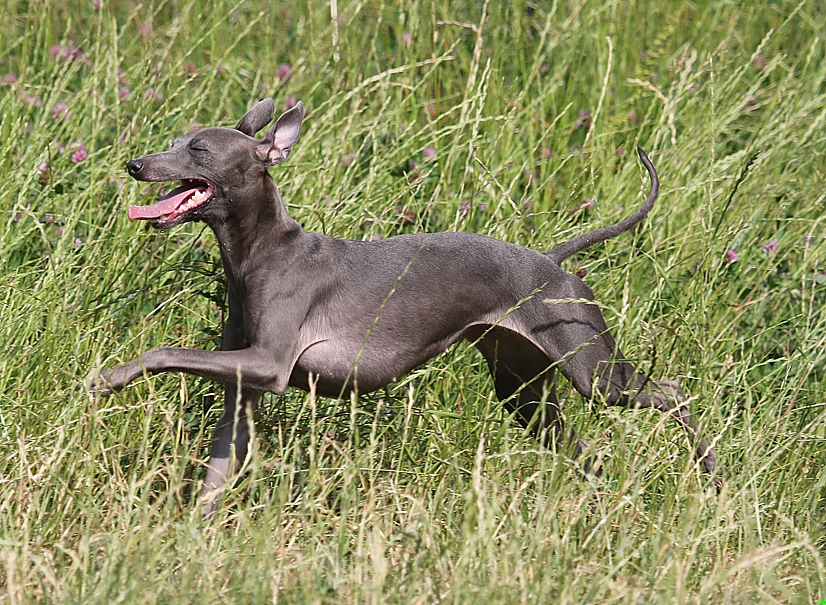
[(255, 217)]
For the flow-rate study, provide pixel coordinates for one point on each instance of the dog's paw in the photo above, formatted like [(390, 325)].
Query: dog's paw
[(94, 383), (106, 383), (671, 389), (709, 465), (711, 468), (91, 384)]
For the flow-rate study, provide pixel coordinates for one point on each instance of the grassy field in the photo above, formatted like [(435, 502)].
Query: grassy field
[(512, 119)]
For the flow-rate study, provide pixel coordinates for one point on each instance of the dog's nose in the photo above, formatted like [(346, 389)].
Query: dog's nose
[(134, 167)]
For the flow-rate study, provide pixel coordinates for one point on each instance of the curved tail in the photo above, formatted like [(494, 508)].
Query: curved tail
[(586, 240)]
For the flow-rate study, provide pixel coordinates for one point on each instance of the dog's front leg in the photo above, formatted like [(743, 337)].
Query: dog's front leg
[(256, 368), (232, 433), (230, 442)]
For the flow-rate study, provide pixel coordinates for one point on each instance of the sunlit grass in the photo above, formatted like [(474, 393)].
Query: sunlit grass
[(519, 122)]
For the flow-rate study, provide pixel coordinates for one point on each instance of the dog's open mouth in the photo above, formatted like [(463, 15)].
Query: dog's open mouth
[(184, 199)]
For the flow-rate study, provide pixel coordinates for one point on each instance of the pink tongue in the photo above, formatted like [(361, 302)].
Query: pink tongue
[(168, 204)]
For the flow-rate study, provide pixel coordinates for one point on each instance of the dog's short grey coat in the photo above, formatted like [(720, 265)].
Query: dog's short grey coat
[(357, 315)]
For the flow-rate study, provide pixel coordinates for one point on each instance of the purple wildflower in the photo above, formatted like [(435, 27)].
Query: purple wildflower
[(429, 153), (547, 153), (150, 92), (285, 73), (54, 51), (71, 53), (580, 273), (123, 92), (289, 102), (770, 246), (464, 207), (32, 100), (78, 242), (49, 218), (60, 112), (406, 38), (759, 62), (10, 78), (80, 154), (144, 29), (584, 120), (121, 77), (432, 111), (732, 256)]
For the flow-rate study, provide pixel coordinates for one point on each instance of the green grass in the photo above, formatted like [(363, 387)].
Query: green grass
[(425, 492)]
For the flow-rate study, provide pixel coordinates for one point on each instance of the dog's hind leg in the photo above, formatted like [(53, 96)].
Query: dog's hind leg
[(667, 397), (524, 383), (621, 384), (574, 335), (599, 365)]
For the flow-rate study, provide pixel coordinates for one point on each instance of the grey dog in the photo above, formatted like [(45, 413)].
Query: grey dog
[(350, 315)]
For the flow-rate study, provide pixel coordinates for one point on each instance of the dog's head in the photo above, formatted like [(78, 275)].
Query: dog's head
[(213, 164)]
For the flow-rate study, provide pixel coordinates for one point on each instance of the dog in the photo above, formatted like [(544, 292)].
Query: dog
[(343, 315)]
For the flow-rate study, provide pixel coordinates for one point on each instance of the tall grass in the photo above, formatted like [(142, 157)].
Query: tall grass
[(426, 491)]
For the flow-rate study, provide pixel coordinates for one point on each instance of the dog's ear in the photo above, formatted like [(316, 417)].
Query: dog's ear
[(256, 118), (279, 140)]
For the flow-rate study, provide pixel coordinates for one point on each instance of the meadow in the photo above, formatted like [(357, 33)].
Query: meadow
[(513, 119)]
